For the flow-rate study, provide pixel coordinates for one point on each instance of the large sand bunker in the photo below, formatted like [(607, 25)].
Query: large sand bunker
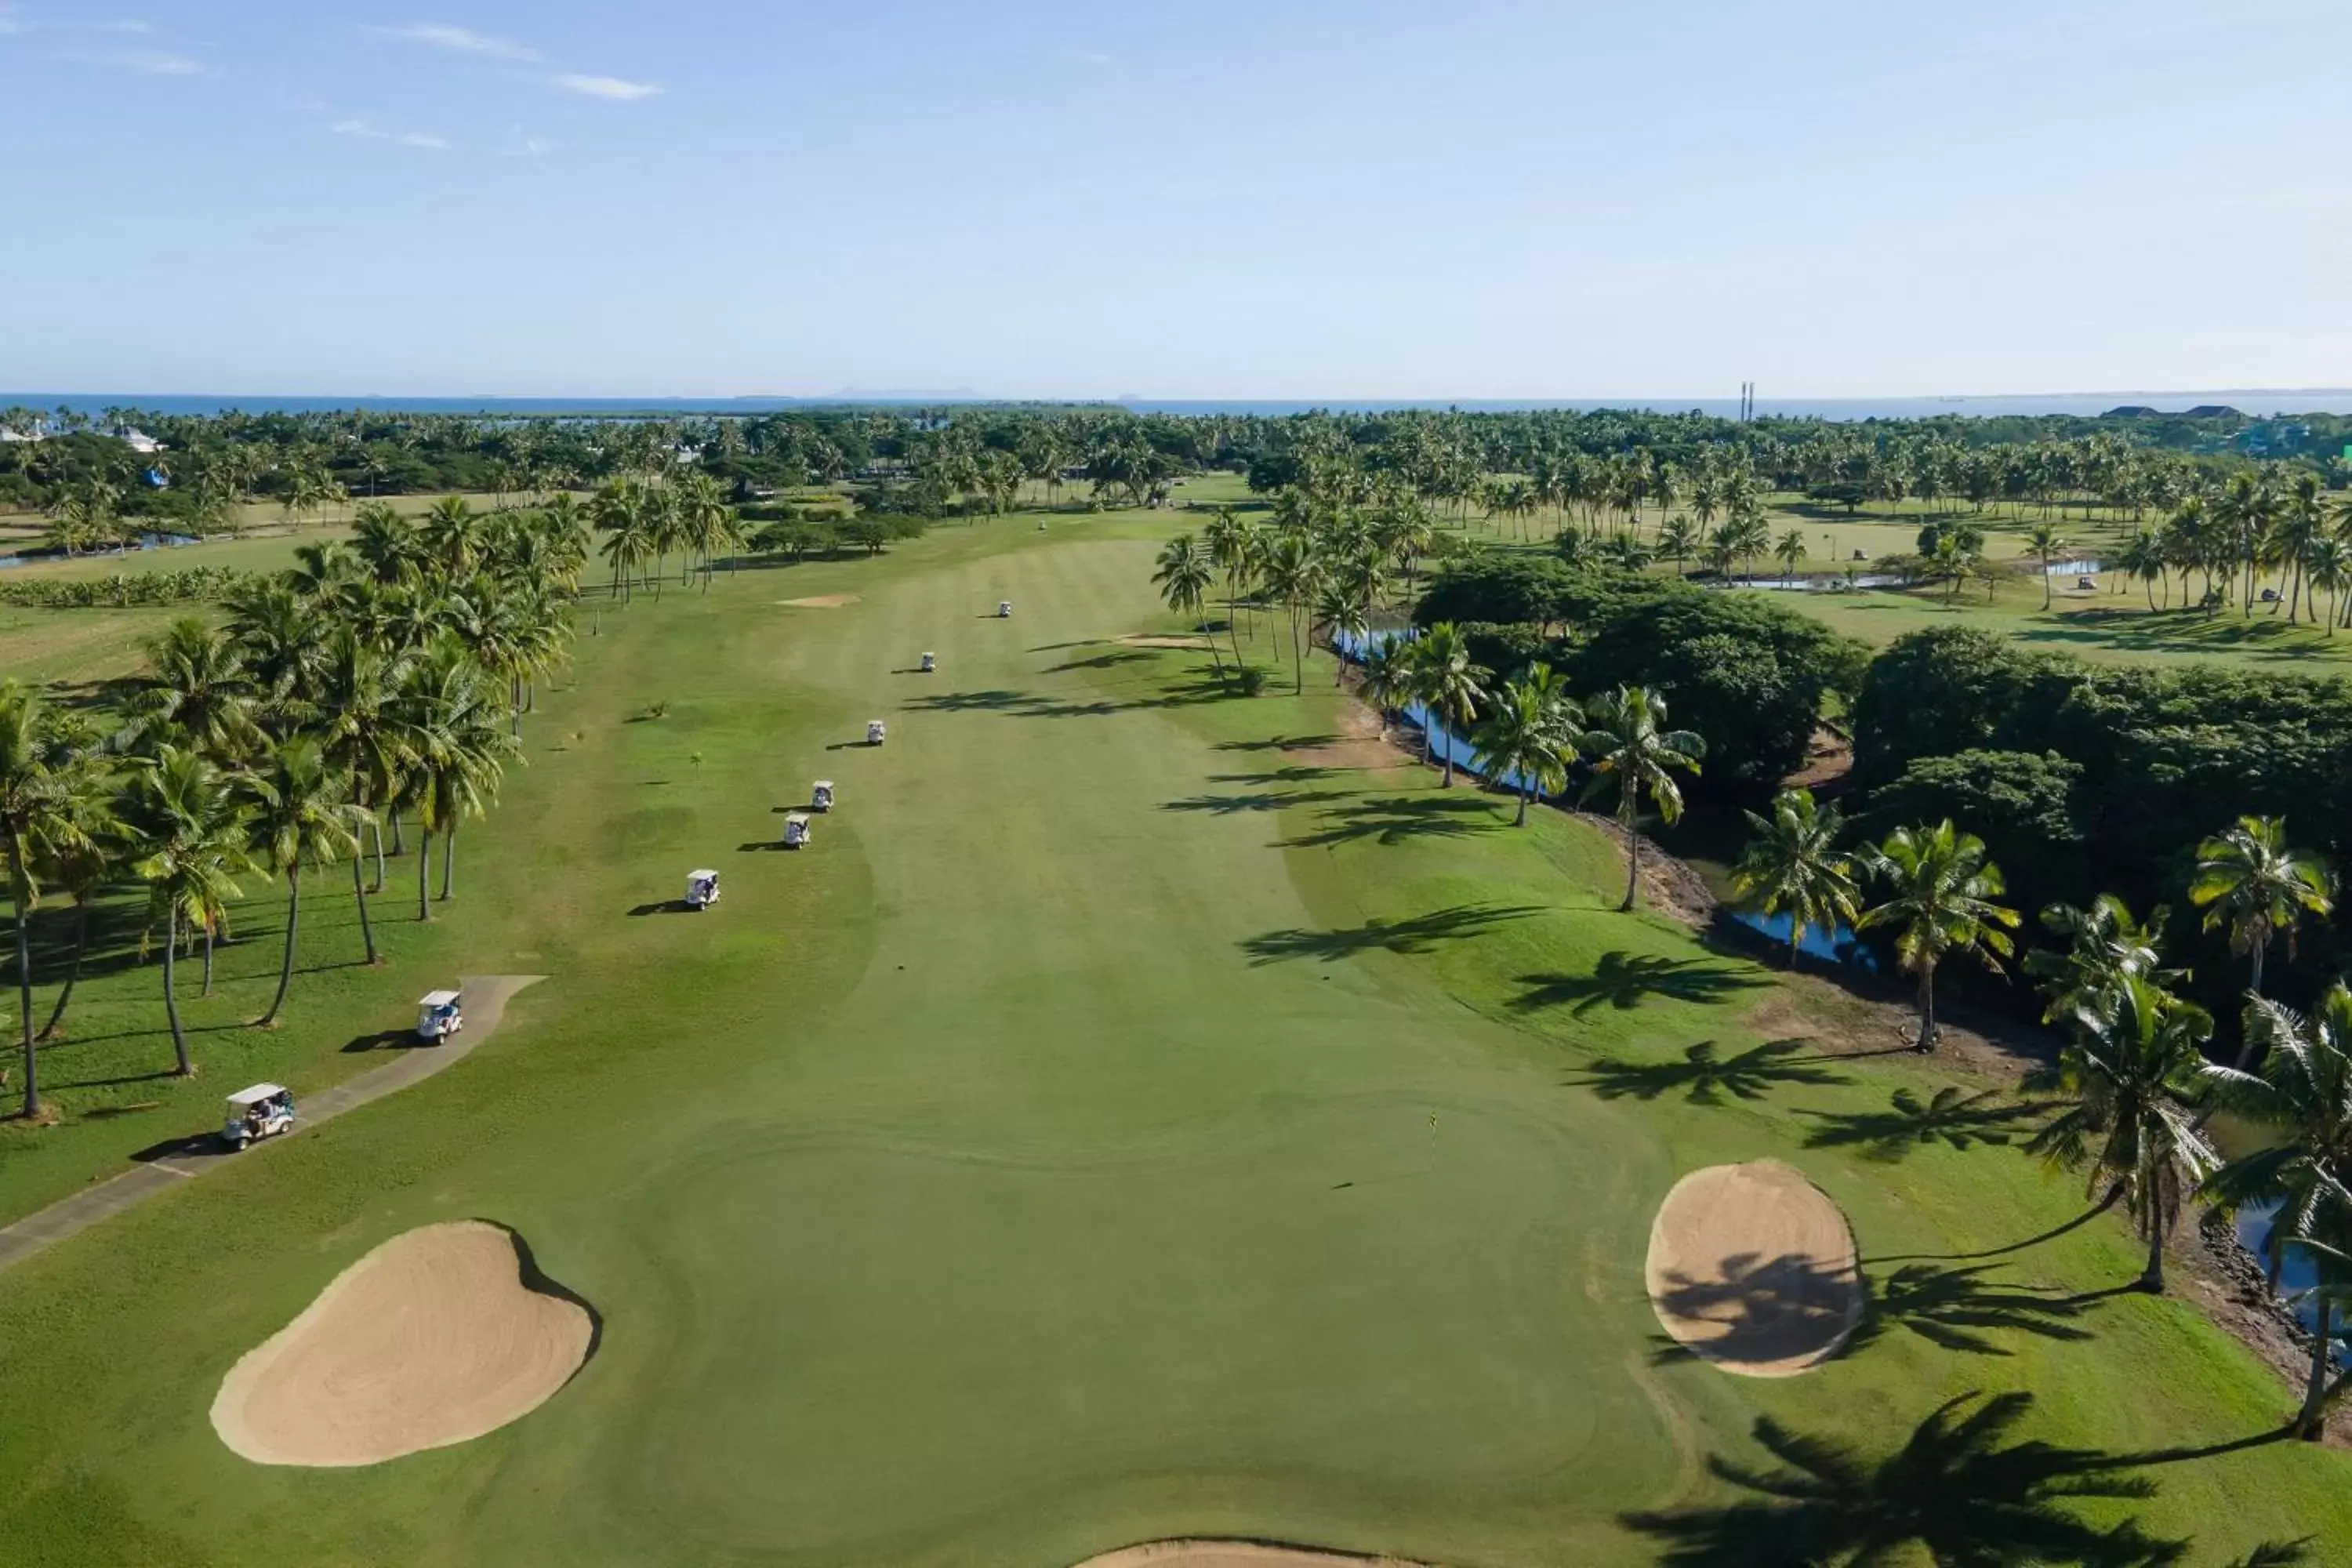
[(437, 1337), (1232, 1554), (1753, 1267), (820, 602)]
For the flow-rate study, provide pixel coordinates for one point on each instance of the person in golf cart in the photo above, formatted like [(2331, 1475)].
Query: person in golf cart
[(263, 1110), (701, 889), (821, 795)]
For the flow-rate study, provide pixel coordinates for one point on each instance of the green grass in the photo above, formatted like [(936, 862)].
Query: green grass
[(1111, 1127)]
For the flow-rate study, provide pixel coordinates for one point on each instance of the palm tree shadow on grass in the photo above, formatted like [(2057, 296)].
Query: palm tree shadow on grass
[(1959, 1487), (1707, 1075), (1392, 821), (1955, 1119), (1956, 1309), (1623, 981), (1417, 933), (1232, 804)]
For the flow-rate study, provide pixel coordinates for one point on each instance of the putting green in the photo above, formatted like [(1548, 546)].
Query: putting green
[(1048, 1159)]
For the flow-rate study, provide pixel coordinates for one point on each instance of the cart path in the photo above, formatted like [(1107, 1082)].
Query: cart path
[(486, 1002)]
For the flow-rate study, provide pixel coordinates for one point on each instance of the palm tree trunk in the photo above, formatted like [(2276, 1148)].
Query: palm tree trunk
[(359, 891), (448, 860), (81, 946), (183, 1067), (1297, 658), (25, 1001), (1630, 822), (286, 964), (1525, 792), (397, 847), (2254, 988), (1448, 759), (208, 989), (2151, 1279), (1926, 1009), (423, 869), (2310, 1422), (375, 831)]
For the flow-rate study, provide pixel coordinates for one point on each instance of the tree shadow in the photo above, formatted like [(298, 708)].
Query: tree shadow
[(1625, 981), (1392, 821), (2052, 1234), (1790, 1307), (1959, 1487), (1707, 1075), (1099, 661), (1232, 804), (1418, 933), (1277, 743), (1297, 772), (1955, 1119), (1956, 1309)]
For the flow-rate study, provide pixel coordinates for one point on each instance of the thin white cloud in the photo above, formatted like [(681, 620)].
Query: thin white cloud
[(1083, 57), (458, 40), (611, 87), (153, 62), (426, 139), (369, 130)]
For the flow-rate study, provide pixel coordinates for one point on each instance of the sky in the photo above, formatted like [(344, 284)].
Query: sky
[(1276, 198)]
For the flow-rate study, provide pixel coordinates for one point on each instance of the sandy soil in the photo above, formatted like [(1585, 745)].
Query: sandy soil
[(1359, 745), (1233, 1554), (1753, 1267), (434, 1338), (1134, 641), (821, 602)]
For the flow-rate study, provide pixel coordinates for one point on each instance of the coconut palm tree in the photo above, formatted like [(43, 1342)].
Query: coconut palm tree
[(187, 829), (448, 724), (1183, 573), (1677, 541), (196, 693), (1790, 552), (1387, 676), (1291, 572), (1448, 684), (2105, 947), (356, 684), (387, 542), (300, 817), (1792, 865), (49, 798), (2302, 1098), (2250, 883), (2047, 545), (1526, 731), (2330, 565), (2133, 1060), (1634, 755), (1939, 906)]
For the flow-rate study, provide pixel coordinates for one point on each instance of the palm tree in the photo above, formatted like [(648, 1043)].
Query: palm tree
[(2046, 545), (1290, 572), (2134, 1057), (2302, 1098), (1232, 547), (46, 809), (1940, 906), (1793, 865), (448, 725), (1634, 755), (1526, 731), (1388, 677), (1184, 574), (300, 818), (449, 535), (355, 688), (1677, 541), (2250, 883), (2331, 572), (2105, 946), (198, 693), (1448, 684), (1790, 551), (187, 826)]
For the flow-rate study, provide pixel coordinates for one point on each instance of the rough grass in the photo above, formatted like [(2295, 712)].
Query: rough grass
[(1109, 1129)]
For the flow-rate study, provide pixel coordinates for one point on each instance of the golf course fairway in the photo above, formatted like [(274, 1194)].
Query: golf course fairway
[(1112, 1128)]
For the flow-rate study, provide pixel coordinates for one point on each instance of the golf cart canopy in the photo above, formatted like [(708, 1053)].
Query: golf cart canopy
[(702, 875), (256, 1095), (437, 999), (796, 816), (823, 785)]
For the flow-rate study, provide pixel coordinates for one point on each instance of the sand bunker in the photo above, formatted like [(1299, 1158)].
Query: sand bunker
[(821, 602), (437, 1337), (1753, 1267), (1162, 642), (1233, 1554)]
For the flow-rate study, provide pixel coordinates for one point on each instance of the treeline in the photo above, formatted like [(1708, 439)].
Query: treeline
[(128, 591)]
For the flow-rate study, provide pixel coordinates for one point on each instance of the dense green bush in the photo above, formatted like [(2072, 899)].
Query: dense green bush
[(128, 591)]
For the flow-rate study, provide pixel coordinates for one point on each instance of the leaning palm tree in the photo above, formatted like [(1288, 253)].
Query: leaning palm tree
[(2301, 1100), (1449, 684), (2134, 1061), (46, 807), (1939, 906), (1634, 755), (300, 818), (1182, 575), (1526, 731), (2105, 946), (2250, 883), (1792, 866), (186, 824), (2047, 545)]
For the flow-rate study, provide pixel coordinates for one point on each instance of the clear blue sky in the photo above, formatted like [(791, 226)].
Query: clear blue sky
[(1276, 198)]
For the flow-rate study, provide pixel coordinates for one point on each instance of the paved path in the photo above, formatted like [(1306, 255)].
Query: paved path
[(486, 1002)]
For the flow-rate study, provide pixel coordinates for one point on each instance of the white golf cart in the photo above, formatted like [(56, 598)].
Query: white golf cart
[(876, 731), (1003, 609), (821, 795), (930, 662), (796, 829), (701, 889), (264, 1111), (439, 1015)]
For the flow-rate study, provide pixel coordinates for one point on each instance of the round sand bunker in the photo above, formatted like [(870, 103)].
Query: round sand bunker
[(1753, 1267), (437, 1337), (1232, 1554)]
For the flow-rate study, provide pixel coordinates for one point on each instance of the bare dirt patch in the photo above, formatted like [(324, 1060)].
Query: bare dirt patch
[(1137, 641), (1753, 1269), (1361, 744), (438, 1336), (821, 602), (1233, 1554)]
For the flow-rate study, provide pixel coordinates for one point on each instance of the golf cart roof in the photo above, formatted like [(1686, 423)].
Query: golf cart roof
[(705, 875), (825, 784), (256, 1094), (436, 998), (799, 817)]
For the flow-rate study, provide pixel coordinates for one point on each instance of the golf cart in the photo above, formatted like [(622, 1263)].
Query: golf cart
[(796, 829), (701, 889), (439, 1015), (262, 1111), (821, 795), (1003, 609), (930, 662), (875, 732)]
